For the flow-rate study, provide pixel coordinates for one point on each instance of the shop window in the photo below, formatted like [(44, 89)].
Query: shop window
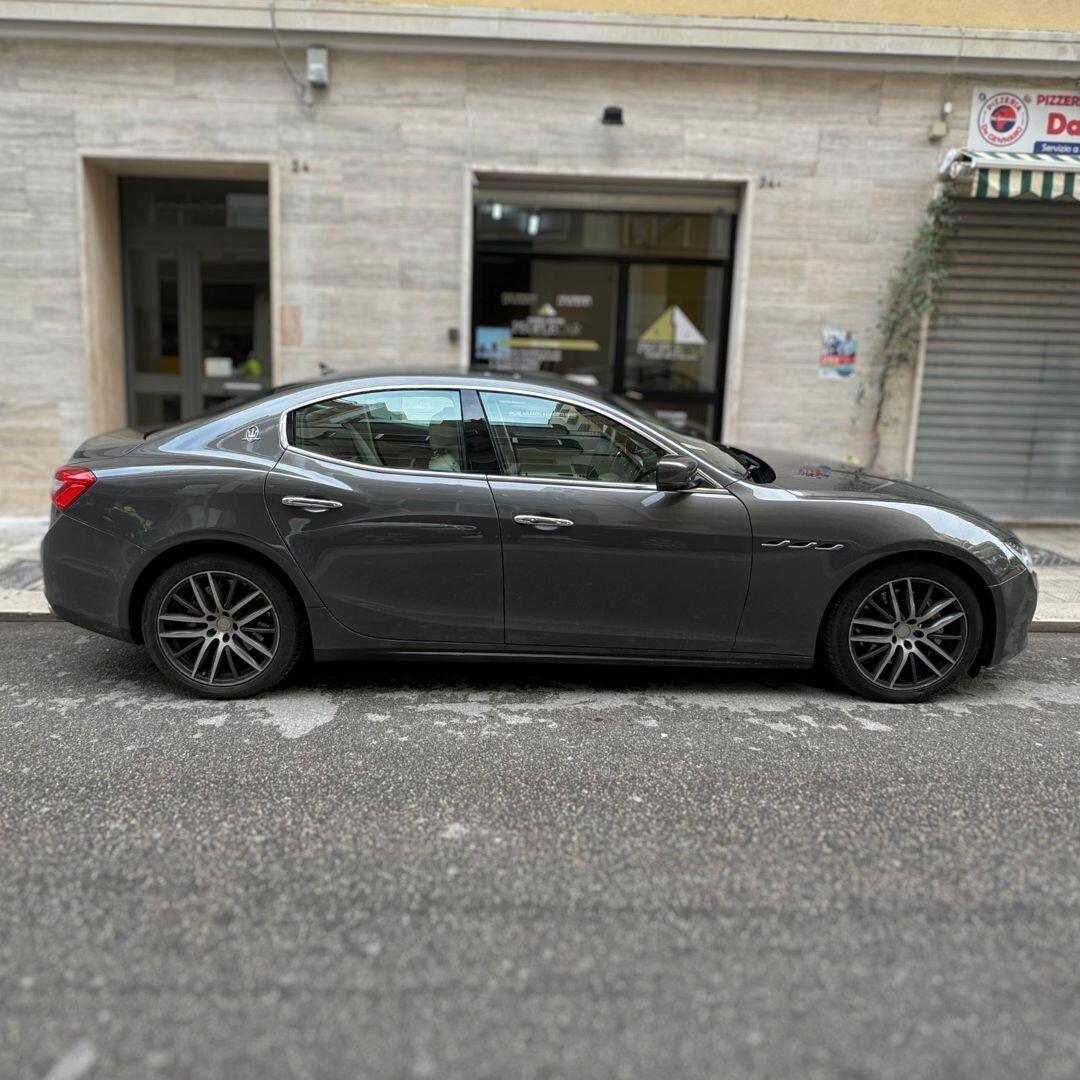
[(631, 301)]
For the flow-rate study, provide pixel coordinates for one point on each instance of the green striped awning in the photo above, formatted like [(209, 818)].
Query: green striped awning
[(1004, 175)]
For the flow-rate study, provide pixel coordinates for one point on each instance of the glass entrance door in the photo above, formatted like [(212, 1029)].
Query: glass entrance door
[(637, 301), (155, 383), (197, 287), (674, 326), (233, 326)]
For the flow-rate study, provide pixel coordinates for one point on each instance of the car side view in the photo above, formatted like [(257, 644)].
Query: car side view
[(497, 518)]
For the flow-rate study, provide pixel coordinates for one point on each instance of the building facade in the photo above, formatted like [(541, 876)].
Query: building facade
[(183, 217)]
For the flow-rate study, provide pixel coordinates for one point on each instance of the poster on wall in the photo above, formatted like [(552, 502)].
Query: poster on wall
[(1025, 121), (839, 351)]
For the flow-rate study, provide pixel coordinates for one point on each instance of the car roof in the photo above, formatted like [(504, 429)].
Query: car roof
[(331, 383), (473, 376)]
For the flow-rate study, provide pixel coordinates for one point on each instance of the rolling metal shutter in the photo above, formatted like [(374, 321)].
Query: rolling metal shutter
[(999, 423)]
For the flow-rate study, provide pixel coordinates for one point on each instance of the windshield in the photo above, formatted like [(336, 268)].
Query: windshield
[(712, 453)]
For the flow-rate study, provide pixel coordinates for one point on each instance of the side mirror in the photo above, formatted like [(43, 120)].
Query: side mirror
[(676, 473)]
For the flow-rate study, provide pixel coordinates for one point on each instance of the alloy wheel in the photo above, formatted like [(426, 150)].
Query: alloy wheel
[(908, 634), (218, 628)]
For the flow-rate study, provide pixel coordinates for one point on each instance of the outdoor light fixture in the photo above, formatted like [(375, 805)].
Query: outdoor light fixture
[(532, 226), (496, 211), (612, 115), (318, 66)]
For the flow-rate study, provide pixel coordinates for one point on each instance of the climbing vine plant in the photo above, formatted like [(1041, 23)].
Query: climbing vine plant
[(912, 296)]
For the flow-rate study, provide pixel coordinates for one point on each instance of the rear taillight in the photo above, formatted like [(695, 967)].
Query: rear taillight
[(69, 484)]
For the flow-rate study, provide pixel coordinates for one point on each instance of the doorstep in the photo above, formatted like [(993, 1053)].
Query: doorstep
[(1056, 549)]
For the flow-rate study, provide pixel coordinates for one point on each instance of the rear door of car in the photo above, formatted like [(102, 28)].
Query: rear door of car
[(594, 556), (378, 501)]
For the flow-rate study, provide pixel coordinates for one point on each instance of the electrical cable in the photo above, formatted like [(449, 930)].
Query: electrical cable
[(300, 87)]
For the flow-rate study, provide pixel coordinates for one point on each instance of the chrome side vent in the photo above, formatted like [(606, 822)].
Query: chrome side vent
[(802, 545)]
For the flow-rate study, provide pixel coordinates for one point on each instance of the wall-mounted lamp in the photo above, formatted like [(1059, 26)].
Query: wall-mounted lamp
[(612, 115), (496, 211), (532, 226), (318, 66)]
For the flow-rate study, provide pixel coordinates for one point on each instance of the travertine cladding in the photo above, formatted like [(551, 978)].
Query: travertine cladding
[(372, 233)]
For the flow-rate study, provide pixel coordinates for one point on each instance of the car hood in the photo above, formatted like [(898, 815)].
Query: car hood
[(810, 475)]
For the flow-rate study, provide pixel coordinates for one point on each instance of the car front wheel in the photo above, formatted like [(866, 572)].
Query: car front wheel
[(903, 633), (221, 626)]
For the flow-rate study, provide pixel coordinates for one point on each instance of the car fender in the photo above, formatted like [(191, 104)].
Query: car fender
[(805, 549)]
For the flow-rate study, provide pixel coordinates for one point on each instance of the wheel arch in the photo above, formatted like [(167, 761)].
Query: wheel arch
[(206, 546), (947, 560)]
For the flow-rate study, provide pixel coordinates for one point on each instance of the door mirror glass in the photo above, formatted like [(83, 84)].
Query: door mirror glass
[(676, 473)]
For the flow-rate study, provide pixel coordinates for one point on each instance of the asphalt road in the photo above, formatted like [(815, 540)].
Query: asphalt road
[(468, 872)]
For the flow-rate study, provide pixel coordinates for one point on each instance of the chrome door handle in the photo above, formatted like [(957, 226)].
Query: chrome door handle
[(316, 506), (543, 522)]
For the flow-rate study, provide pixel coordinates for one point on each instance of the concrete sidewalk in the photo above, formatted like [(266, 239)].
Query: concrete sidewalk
[(1056, 549), (21, 594)]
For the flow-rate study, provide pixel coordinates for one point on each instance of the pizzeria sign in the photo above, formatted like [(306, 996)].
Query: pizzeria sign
[(1025, 121)]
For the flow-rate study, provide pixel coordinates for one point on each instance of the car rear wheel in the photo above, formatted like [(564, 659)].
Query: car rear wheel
[(903, 633), (221, 626)]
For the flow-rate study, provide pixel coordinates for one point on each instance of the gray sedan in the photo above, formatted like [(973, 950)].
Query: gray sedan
[(490, 518)]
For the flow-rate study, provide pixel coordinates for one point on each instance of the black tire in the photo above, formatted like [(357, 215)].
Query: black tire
[(855, 639), (191, 596)]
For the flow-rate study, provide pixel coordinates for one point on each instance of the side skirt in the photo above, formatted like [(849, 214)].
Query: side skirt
[(518, 655)]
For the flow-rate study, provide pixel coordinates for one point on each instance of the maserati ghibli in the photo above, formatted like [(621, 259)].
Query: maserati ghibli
[(475, 516)]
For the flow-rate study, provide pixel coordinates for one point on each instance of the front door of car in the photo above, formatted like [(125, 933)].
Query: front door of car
[(372, 498), (594, 556)]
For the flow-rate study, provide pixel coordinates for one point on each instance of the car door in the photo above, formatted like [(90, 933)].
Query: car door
[(374, 499), (593, 554)]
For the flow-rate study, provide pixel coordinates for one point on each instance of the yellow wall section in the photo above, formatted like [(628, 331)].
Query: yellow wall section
[(987, 14)]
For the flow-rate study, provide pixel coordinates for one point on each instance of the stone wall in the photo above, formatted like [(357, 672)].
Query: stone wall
[(371, 222)]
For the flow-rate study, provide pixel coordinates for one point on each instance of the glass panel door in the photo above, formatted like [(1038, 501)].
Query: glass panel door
[(672, 326), (234, 293), (154, 332), (543, 314), (674, 336)]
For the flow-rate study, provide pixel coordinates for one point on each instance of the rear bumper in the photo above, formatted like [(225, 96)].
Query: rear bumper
[(85, 572), (1014, 605)]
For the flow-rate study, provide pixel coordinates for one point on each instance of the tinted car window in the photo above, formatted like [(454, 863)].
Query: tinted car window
[(396, 429), (547, 438)]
